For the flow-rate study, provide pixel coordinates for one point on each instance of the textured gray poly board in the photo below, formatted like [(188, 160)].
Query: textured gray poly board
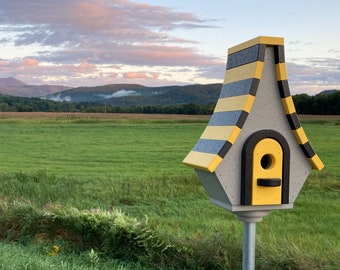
[(243, 57), (267, 113), (213, 187), (238, 88)]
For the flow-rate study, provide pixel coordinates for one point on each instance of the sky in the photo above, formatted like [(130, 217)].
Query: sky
[(158, 42)]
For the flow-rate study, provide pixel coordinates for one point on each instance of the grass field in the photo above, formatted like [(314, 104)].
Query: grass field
[(51, 164)]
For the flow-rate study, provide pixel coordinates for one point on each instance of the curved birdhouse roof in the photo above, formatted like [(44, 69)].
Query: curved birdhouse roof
[(243, 74)]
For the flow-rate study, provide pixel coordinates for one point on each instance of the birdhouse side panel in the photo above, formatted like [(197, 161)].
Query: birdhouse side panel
[(214, 189)]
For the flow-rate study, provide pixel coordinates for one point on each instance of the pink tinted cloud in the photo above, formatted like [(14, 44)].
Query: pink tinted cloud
[(140, 75), (92, 15), (73, 20), (30, 62), (82, 68), (156, 55), (91, 29), (3, 63), (83, 36), (113, 75), (18, 64)]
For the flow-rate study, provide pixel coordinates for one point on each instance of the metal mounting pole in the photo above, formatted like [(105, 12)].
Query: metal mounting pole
[(249, 244), (249, 236)]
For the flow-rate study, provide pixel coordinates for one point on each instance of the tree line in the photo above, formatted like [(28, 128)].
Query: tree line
[(324, 104), (319, 104)]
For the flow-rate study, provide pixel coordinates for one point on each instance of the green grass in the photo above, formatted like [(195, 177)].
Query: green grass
[(96, 150), (136, 166), (35, 257)]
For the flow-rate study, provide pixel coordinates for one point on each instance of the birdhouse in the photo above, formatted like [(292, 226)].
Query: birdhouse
[(254, 155)]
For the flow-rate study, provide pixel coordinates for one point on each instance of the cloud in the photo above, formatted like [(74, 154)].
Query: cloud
[(134, 54), (294, 42), (94, 42), (30, 62), (84, 67), (216, 72), (313, 74), (140, 75), (59, 98), (334, 51), (121, 93), (18, 64), (102, 32), (83, 42)]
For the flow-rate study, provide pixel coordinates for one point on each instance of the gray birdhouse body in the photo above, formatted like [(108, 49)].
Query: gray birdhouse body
[(254, 154)]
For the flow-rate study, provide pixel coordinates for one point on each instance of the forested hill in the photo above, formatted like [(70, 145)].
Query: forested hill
[(319, 104), (139, 95), (202, 96), (193, 99), (14, 87), (326, 102)]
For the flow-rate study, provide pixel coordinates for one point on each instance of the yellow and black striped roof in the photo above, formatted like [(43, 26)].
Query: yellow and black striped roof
[(243, 73)]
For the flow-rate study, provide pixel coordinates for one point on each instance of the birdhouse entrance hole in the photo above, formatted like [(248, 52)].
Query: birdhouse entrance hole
[(266, 161)]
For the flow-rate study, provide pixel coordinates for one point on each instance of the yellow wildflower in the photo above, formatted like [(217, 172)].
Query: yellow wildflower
[(55, 250)]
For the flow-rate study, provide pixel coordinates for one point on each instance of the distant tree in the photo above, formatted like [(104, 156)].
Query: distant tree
[(302, 103), (320, 104)]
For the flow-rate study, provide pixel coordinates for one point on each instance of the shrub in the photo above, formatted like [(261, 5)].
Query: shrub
[(112, 234)]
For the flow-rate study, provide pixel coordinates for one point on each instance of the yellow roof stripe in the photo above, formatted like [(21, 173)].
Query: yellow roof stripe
[(233, 103), (234, 134), (300, 135), (316, 163), (281, 72), (217, 132), (203, 161), (258, 40), (288, 105), (251, 70), (249, 103)]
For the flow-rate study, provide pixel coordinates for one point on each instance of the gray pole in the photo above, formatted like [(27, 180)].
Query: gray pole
[(249, 243), (249, 220)]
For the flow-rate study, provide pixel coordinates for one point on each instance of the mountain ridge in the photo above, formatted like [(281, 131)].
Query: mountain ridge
[(125, 95), (135, 94), (11, 81), (14, 87)]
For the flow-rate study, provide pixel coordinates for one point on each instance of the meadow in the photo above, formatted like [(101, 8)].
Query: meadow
[(110, 192)]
